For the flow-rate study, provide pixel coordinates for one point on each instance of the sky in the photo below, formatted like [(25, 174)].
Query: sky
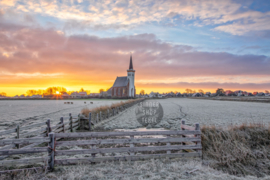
[(175, 44)]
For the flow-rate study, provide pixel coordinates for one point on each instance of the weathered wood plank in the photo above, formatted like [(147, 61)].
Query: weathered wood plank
[(23, 141), (134, 133), (125, 149), (126, 141), (23, 161), (57, 126), (125, 158), (8, 131), (8, 147), (186, 127), (23, 151)]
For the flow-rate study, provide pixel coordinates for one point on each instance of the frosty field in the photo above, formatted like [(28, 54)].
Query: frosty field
[(204, 112), (34, 111)]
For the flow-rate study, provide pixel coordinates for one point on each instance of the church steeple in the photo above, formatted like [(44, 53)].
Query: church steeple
[(130, 63)]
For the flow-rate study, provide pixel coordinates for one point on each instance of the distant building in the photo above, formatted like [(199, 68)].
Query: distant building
[(75, 95), (65, 95), (83, 94), (229, 93), (36, 96), (22, 96), (153, 94), (95, 95), (260, 94), (196, 95), (124, 86), (238, 93)]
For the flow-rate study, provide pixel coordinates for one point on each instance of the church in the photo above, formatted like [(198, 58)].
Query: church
[(124, 86)]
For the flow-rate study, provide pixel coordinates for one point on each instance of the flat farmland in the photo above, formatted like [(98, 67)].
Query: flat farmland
[(205, 112)]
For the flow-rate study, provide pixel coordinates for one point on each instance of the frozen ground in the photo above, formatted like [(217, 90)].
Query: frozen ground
[(33, 111), (205, 112), (152, 170)]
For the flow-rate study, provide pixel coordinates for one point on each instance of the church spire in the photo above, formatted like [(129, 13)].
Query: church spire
[(130, 63)]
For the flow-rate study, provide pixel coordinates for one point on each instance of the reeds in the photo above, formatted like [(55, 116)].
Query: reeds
[(239, 150)]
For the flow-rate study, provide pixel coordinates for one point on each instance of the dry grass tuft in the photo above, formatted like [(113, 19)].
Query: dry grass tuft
[(239, 150)]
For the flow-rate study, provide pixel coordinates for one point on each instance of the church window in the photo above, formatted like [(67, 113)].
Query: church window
[(119, 91), (114, 92), (123, 90)]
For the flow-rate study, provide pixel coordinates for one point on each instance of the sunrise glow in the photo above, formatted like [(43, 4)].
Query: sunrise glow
[(175, 45)]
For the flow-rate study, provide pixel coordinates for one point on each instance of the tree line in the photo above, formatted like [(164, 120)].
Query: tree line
[(52, 90)]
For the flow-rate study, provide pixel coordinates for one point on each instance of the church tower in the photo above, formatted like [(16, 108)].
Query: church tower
[(131, 76)]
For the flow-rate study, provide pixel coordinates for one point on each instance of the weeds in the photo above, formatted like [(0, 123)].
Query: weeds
[(238, 150)]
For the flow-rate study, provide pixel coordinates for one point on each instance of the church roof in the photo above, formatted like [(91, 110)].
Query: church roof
[(130, 63), (120, 81)]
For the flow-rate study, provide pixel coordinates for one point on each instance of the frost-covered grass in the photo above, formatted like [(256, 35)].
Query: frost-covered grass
[(34, 111), (204, 112), (152, 169)]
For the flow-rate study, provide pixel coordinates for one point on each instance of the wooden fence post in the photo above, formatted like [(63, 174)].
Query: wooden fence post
[(168, 144), (70, 122), (51, 149), (62, 122), (183, 122), (197, 127), (108, 113), (89, 120), (48, 126), (100, 115), (93, 147), (131, 145), (97, 118), (113, 111), (18, 135)]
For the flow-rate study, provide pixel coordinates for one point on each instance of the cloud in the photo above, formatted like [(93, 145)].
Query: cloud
[(227, 16), (24, 50), (209, 85)]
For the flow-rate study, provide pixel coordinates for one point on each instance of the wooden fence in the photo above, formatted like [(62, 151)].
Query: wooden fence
[(97, 117), (133, 146), (43, 130)]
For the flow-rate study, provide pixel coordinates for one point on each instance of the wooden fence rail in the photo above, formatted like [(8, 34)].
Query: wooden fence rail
[(150, 147), (132, 145), (21, 138)]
